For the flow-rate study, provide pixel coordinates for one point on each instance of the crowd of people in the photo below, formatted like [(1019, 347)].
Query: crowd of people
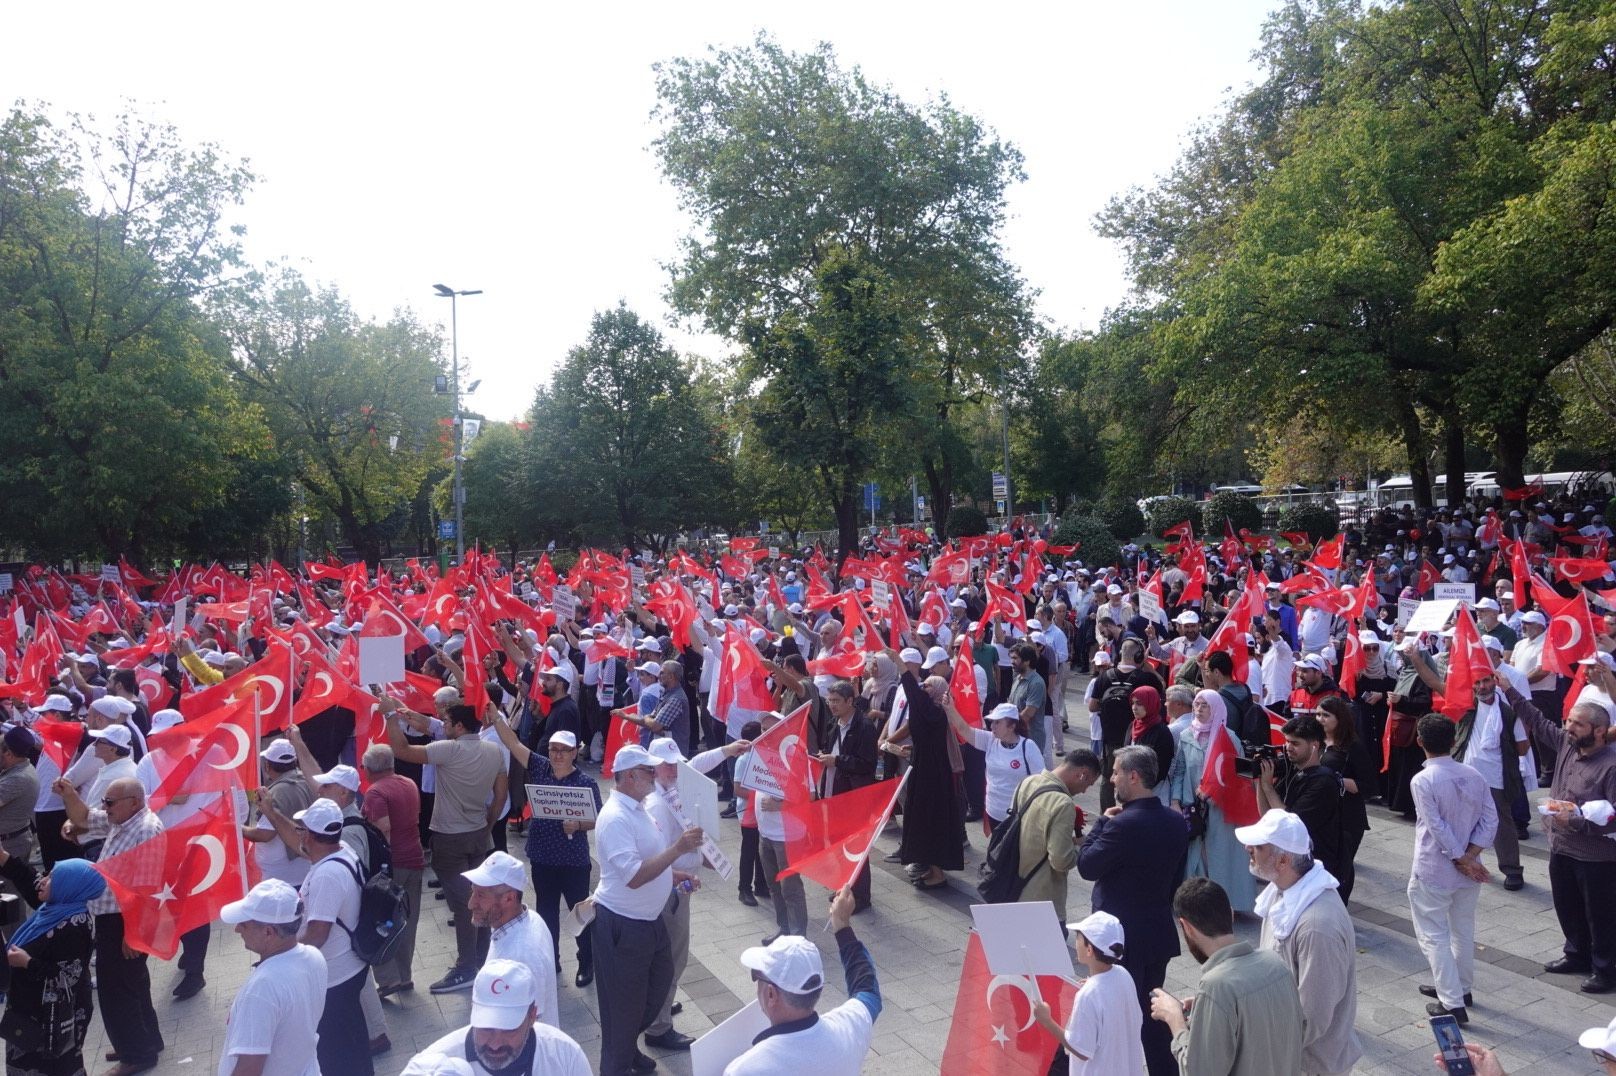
[(1244, 706)]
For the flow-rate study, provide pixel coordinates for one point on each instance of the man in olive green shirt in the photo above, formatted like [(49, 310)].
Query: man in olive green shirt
[(1246, 1018)]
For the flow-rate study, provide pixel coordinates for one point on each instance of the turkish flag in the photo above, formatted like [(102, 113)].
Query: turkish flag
[(829, 840), (742, 680), (1467, 662), (1236, 622), (1195, 589), (59, 740), (1570, 636), (100, 619), (1366, 598), (180, 879), (1328, 554), (845, 664), (1337, 601), (962, 686), (270, 678), (1352, 663), (317, 612), (152, 687), (1307, 578), (474, 685), (620, 734), (1520, 571), (129, 657), (442, 603), (1005, 605), (301, 638), (1276, 727), (1219, 783), (1428, 578), (951, 569), (385, 618), (1580, 570), (783, 752), (323, 688), (603, 648), (212, 753), (993, 1032)]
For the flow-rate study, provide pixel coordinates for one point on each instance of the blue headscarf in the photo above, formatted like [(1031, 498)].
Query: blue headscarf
[(74, 882)]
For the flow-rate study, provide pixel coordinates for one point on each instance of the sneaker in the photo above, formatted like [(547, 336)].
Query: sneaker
[(458, 979)]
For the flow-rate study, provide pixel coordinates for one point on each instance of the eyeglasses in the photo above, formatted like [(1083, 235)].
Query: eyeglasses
[(110, 800), (559, 750)]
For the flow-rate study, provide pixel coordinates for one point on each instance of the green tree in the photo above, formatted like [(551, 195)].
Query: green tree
[(623, 444), (500, 508), (788, 161), (350, 401), (119, 431)]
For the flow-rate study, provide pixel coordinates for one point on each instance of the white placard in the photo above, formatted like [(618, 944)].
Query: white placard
[(698, 795), (1459, 592), (578, 917), (881, 592), (711, 1054), (176, 627), (1431, 616), (562, 802), (381, 659), (564, 602), (109, 574), (636, 576), (1149, 607), (6, 583), (19, 619), (1023, 939), (752, 774), (774, 552), (1405, 610)]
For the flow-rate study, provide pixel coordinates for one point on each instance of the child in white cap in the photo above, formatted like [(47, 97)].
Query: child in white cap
[(1102, 1034)]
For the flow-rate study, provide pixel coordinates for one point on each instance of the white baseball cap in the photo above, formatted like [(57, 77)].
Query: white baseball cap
[(322, 816), (116, 735), (925, 629), (279, 752), (561, 670), (1368, 638), (1599, 1038), (1113, 589), (1005, 711), (1188, 616), (790, 962), (649, 668), (166, 719), (1103, 931), (1314, 662), (651, 643), (1488, 603), (910, 656), (631, 756), (340, 774), (1492, 642), (663, 749), (502, 996), (1100, 658), (499, 868), (213, 657), (112, 706), (270, 901), (58, 703), (564, 738), (1279, 828), (1532, 616)]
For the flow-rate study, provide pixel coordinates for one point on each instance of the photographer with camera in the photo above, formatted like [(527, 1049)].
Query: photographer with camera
[(1300, 783)]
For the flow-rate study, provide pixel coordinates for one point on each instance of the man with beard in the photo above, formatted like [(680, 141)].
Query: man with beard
[(1582, 858), (505, 1037), (1247, 1018), (1491, 740)]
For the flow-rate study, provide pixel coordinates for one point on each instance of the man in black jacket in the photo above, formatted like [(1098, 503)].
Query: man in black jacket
[(1134, 855), (849, 762)]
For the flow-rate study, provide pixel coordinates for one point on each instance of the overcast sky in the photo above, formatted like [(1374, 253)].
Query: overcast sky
[(506, 147)]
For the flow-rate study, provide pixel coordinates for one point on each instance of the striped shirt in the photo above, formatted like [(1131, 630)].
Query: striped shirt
[(140, 827)]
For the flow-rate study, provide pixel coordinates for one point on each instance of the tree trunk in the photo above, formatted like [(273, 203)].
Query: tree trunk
[(1454, 451), (1419, 467), (1509, 450), (940, 485)]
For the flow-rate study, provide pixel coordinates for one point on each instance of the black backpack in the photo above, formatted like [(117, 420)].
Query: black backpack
[(381, 853), (384, 911), (1116, 710), (1002, 879)]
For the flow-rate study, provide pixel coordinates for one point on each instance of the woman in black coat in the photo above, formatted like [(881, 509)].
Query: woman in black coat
[(933, 814), (1349, 757)]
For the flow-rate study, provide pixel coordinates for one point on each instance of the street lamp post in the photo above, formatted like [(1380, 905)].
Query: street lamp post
[(454, 388)]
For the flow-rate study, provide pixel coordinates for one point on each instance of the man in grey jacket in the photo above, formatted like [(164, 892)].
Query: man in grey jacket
[(1306, 924)]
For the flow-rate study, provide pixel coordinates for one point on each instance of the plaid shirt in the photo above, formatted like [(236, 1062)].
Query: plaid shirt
[(141, 827)]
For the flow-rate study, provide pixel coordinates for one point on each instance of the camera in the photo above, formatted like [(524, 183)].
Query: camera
[(1251, 765)]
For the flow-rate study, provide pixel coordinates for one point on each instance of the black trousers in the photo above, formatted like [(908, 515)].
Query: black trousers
[(52, 848), (1153, 1034), (633, 972), (344, 1045), (550, 886), (194, 949), (123, 990), (1582, 902), (752, 875), (976, 778), (1346, 870)]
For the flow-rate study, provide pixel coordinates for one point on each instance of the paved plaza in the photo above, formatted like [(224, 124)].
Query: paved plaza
[(918, 941)]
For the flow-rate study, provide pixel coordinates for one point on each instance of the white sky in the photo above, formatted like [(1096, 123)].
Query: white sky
[(506, 146)]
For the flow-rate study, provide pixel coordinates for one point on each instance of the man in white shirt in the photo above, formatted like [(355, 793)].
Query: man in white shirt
[(790, 975), (1484, 744), (505, 1036), (331, 900), (517, 933), (633, 954), (272, 1030)]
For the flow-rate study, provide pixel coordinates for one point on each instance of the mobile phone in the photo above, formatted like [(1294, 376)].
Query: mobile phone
[(1451, 1046)]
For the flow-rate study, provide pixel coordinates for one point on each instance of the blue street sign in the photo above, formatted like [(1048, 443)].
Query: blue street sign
[(446, 528)]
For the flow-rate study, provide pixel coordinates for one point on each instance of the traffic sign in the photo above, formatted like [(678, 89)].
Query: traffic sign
[(446, 528), (1001, 488)]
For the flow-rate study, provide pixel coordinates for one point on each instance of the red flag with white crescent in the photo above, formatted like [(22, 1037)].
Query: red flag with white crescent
[(1570, 635), (180, 879), (829, 840), (1220, 784), (270, 677), (993, 1032), (783, 752), (216, 752)]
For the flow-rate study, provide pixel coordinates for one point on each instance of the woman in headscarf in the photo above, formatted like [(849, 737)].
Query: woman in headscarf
[(1375, 684), (50, 956), (1150, 730), (1215, 853), (880, 687), (934, 812)]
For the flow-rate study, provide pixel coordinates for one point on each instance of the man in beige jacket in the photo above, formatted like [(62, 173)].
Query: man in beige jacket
[(1049, 826)]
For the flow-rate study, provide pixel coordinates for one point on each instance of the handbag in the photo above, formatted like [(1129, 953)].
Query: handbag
[(53, 1036), (1195, 817)]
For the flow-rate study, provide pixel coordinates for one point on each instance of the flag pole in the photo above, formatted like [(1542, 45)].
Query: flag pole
[(241, 843)]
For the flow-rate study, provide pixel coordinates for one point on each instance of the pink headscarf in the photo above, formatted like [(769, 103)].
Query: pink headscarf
[(1214, 703)]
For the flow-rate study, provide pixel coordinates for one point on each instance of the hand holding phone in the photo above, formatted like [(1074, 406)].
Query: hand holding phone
[(1452, 1053)]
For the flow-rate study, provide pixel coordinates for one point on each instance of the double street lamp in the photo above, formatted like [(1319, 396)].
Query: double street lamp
[(459, 494)]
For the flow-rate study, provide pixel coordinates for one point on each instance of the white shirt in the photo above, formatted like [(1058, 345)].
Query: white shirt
[(1094, 714), (527, 940), (275, 861), (1007, 766), (331, 895), (1254, 677), (276, 1014), (48, 773), (1278, 665), (835, 1046), (554, 1054), (1314, 630), (626, 836), (1481, 751), (1104, 1025), (1527, 656)]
